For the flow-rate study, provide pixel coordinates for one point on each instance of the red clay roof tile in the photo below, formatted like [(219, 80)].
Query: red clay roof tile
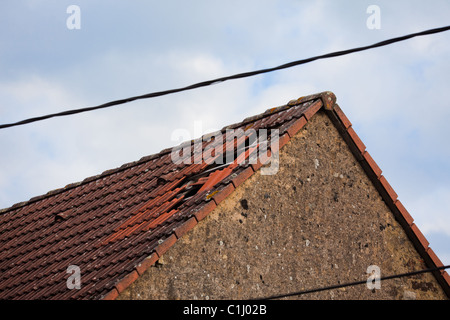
[(420, 236), (357, 141), (296, 126), (242, 176), (220, 194), (165, 245), (283, 140), (438, 263), (205, 210), (147, 263), (405, 214), (182, 229), (312, 109), (388, 188), (376, 170), (126, 281), (345, 122)]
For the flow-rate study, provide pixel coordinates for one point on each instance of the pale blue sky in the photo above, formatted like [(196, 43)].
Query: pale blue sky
[(395, 96)]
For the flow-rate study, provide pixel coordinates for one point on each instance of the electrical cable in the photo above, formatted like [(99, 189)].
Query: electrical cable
[(337, 286), (222, 79)]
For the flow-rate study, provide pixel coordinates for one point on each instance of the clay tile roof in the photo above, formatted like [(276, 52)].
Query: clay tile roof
[(115, 225)]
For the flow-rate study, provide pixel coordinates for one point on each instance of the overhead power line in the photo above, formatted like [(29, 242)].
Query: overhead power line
[(338, 286), (222, 79)]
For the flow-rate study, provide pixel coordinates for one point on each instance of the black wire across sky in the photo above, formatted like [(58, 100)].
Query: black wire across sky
[(222, 79)]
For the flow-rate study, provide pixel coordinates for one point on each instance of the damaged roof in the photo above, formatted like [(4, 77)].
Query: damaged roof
[(117, 224)]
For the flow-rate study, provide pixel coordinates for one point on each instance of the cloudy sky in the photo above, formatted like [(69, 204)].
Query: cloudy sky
[(395, 96)]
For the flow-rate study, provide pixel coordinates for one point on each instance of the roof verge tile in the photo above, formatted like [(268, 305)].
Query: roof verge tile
[(223, 193), (126, 281), (388, 188), (146, 263), (185, 227), (296, 126), (205, 210), (165, 245), (312, 109), (423, 241), (242, 176)]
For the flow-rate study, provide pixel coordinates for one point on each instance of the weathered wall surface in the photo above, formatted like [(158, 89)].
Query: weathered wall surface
[(317, 222)]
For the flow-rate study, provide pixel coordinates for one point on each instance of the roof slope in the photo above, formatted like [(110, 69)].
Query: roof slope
[(115, 225)]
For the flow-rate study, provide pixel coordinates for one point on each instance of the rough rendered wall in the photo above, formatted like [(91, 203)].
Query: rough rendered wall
[(318, 222)]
